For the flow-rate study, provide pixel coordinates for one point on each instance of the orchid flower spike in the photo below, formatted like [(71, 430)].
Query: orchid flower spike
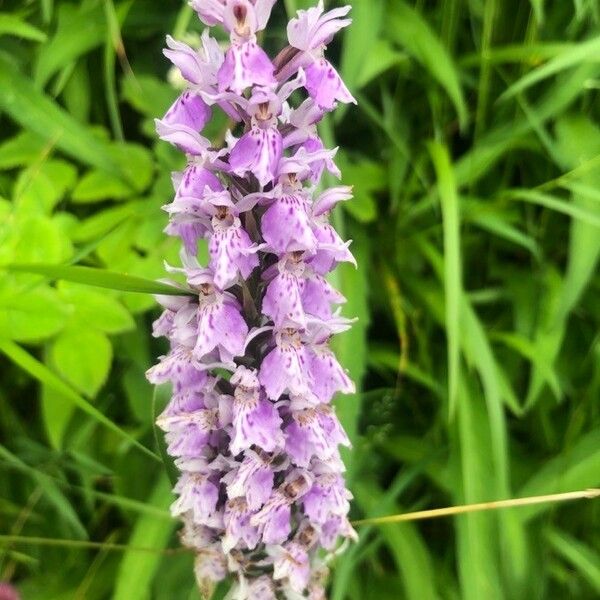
[(251, 425)]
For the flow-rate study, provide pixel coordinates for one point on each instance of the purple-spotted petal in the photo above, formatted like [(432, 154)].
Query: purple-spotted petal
[(284, 368), (257, 152), (325, 86), (245, 65), (282, 301), (255, 421), (328, 376), (312, 28), (220, 325), (286, 225), (230, 255)]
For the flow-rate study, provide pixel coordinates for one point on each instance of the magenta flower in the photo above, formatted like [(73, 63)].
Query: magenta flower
[(250, 424)]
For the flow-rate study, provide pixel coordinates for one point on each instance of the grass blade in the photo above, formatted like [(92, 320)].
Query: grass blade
[(40, 372), (407, 27), (571, 57), (101, 278), (35, 112), (582, 557), (137, 572), (12, 25), (452, 263)]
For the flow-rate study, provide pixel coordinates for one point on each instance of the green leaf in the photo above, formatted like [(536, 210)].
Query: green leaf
[(55, 497), (452, 262), (351, 346), (407, 27), (556, 204), (137, 571), (40, 372), (160, 398), (12, 25), (80, 29), (102, 222), (381, 58), (83, 357), (570, 57), (494, 222), (95, 309), (583, 558), (366, 178), (37, 113), (477, 548), (147, 94), (20, 150), (56, 413), (39, 188), (409, 552), (49, 245), (579, 140), (31, 315), (136, 162), (575, 468), (366, 24), (97, 185), (101, 278)]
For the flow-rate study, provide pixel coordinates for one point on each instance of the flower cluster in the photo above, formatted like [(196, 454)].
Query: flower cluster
[(250, 422)]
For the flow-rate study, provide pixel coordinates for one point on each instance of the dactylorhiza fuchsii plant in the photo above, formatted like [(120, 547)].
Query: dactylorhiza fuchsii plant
[(261, 491)]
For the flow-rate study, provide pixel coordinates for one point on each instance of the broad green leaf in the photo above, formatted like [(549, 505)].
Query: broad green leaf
[(138, 390), (40, 372), (136, 163), (407, 27), (97, 185), (136, 571), (96, 309), (102, 222), (56, 413), (40, 187), (31, 314), (77, 92), (100, 278), (50, 244), (21, 150), (83, 357)]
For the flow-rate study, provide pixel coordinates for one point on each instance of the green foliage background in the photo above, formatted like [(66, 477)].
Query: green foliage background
[(475, 158)]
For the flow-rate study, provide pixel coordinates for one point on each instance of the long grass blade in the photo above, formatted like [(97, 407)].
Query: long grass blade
[(40, 372), (100, 278)]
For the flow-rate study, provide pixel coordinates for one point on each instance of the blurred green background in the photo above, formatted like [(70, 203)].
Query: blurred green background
[(475, 158)]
